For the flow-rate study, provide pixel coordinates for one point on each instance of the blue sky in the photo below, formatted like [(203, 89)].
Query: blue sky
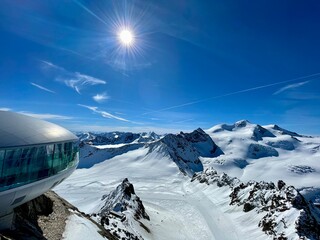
[(192, 63)]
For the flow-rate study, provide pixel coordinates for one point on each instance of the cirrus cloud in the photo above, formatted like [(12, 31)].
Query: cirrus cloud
[(290, 86), (101, 97), (74, 80), (41, 87), (104, 113)]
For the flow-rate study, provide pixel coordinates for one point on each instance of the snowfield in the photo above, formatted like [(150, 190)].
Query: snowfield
[(179, 208), (80, 228)]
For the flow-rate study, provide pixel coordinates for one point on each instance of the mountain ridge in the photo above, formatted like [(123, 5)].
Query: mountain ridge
[(241, 153)]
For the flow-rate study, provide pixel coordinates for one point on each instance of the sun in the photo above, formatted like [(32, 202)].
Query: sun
[(126, 37)]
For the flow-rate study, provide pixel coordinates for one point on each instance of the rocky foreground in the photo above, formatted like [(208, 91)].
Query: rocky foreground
[(45, 218)]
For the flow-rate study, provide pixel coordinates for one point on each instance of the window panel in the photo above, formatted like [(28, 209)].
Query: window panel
[(2, 153), (26, 165)]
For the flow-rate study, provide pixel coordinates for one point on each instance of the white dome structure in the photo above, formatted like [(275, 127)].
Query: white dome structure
[(35, 156)]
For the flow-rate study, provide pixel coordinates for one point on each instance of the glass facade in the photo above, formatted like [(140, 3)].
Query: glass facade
[(20, 166)]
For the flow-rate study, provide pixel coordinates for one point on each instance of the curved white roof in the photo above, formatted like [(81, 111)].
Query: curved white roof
[(21, 130)]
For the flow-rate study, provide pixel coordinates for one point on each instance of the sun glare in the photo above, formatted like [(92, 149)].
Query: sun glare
[(126, 37)]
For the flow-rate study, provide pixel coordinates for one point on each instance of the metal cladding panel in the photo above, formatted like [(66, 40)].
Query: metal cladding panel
[(21, 130)]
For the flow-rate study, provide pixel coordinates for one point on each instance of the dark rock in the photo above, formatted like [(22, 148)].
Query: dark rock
[(281, 184), (121, 199), (266, 197), (247, 207)]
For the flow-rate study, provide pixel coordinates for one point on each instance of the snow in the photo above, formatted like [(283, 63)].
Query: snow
[(176, 211), (295, 152), (80, 228), (180, 209), (110, 146)]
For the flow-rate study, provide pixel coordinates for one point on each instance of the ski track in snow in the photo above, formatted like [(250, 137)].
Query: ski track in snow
[(194, 206), (218, 222)]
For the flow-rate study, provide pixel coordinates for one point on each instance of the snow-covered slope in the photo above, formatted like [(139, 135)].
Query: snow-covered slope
[(266, 153), (287, 214), (160, 170)]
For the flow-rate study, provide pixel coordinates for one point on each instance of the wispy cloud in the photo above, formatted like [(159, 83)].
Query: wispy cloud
[(46, 116), (312, 76), (101, 97), (78, 81), (74, 80), (290, 86), (42, 88), (5, 109), (104, 113), (48, 65)]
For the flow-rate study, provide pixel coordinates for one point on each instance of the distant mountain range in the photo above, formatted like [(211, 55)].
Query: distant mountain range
[(253, 163)]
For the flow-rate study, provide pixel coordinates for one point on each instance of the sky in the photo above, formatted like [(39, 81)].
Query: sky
[(190, 64)]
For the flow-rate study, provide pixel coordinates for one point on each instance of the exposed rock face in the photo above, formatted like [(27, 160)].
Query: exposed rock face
[(180, 151), (123, 198), (120, 209), (279, 201), (256, 151), (260, 132), (286, 132), (211, 176), (186, 148), (44, 218), (282, 144), (203, 143)]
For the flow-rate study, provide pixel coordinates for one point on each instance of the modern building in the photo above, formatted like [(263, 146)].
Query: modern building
[(35, 156)]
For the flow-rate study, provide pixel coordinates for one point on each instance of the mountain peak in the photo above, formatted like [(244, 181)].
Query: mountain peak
[(241, 123), (123, 198), (285, 132), (186, 148)]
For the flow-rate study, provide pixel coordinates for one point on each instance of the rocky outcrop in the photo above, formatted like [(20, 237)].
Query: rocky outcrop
[(260, 132), (256, 151), (285, 132), (283, 205), (203, 143), (45, 218), (282, 144), (123, 198), (181, 151), (211, 176), (121, 209), (186, 148)]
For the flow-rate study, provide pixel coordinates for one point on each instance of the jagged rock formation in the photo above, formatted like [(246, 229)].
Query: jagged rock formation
[(203, 143), (119, 209), (45, 218), (260, 132), (285, 132), (186, 148), (182, 153), (283, 204), (123, 198)]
